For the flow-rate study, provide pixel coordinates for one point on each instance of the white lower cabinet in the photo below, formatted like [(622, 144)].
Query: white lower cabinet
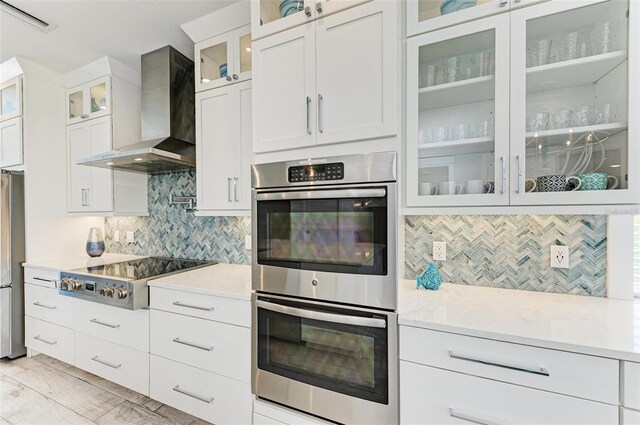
[(264, 420), (11, 142), (630, 417), (206, 395), (122, 365), (212, 346), (46, 304), (47, 338), (436, 396), (631, 385)]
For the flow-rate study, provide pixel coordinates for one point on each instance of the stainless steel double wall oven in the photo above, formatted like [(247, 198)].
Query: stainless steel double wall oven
[(324, 272)]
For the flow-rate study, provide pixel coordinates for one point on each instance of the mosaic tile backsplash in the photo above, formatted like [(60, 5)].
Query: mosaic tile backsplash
[(170, 231), (512, 251)]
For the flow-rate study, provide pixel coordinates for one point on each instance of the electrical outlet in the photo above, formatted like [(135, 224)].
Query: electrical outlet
[(130, 237), (247, 241), (559, 257), (116, 236), (440, 251)]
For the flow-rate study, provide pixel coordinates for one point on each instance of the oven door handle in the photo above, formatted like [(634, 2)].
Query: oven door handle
[(322, 194), (369, 322)]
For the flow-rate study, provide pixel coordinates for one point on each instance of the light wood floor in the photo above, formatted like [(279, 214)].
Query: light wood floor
[(44, 391)]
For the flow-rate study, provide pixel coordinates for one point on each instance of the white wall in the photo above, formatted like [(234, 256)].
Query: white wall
[(51, 232)]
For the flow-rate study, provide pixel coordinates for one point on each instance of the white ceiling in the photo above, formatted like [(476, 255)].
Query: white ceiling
[(88, 29)]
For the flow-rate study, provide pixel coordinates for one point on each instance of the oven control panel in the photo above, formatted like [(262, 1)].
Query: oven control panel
[(316, 172)]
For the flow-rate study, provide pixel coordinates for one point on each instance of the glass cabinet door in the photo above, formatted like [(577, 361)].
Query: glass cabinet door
[(430, 15), (271, 16), (213, 67), (10, 99), (570, 104), (457, 117), (75, 105), (90, 100), (242, 53)]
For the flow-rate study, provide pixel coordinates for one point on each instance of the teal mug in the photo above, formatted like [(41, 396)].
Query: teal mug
[(597, 181)]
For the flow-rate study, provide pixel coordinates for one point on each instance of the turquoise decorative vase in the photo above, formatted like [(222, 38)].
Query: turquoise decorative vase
[(430, 279), (95, 242)]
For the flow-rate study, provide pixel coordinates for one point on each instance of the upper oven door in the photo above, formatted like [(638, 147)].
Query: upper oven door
[(331, 243), (338, 230)]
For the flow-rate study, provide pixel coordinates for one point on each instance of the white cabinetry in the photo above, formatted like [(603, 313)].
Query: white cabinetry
[(11, 98), (201, 364), (266, 413), (522, 108), (223, 148), (223, 59), (11, 142), (328, 81), (102, 115)]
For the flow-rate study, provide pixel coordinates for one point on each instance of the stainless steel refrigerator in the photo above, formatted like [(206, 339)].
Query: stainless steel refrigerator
[(12, 255)]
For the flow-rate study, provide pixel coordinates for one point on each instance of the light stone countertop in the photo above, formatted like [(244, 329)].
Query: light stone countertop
[(589, 325), (222, 280), (67, 264)]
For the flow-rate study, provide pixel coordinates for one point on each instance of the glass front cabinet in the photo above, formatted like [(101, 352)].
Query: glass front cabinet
[(11, 99), (90, 100), (529, 107), (223, 59)]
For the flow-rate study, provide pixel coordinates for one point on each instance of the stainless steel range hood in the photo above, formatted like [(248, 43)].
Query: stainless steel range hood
[(168, 119)]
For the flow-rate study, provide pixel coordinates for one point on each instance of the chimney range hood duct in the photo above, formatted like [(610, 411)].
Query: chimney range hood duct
[(168, 119)]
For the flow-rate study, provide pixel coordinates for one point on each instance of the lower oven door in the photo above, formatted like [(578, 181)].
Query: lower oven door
[(334, 362)]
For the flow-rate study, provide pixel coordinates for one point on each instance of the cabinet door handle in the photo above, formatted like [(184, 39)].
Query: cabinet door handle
[(468, 418), (197, 307), (88, 197), (46, 341), (503, 3), (106, 363), (235, 76), (49, 307), (307, 11), (319, 7), (520, 187), (229, 197), (228, 77), (194, 395), (308, 115), (235, 189), (193, 344), (82, 200), (320, 99), (84, 116), (536, 371), (504, 174), (109, 325)]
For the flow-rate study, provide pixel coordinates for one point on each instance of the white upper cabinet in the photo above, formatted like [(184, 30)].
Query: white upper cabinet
[(223, 144), (11, 142), (329, 81), (284, 90), (89, 100), (223, 59), (429, 15), (573, 136), (11, 99), (90, 188), (530, 107), (458, 115)]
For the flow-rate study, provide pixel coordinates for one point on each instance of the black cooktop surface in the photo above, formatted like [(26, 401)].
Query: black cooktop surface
[(143, 268)]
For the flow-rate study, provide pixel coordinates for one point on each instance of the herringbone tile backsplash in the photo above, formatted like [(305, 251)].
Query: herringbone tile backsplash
[(170, 231), (512, 251)]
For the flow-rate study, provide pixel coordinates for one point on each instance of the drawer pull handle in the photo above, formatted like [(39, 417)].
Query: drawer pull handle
[(50, 307), (106, 363), (193, 344), (46, 341), (109, 325), (190, 394), (197, 307), (536, 371), (468, 418), (42, 279)]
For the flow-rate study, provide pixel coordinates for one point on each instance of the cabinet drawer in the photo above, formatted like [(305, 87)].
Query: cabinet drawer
[(46, 304), (205, 395), (125, 327), (593, 378), (631, 385), (268, 411), (630, 417), (122, 365), (42, 277), (53, 340), (263, 420), (436, 396), (227, 310), (216, 347)]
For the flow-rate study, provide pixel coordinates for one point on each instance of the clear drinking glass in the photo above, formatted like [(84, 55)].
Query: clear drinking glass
[(452, 69), (544, 51), (571, 44), (432, 72), (601, 38)]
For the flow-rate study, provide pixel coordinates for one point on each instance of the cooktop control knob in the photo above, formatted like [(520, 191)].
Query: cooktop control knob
[(107, 291), (121, 293), (71, 284)]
